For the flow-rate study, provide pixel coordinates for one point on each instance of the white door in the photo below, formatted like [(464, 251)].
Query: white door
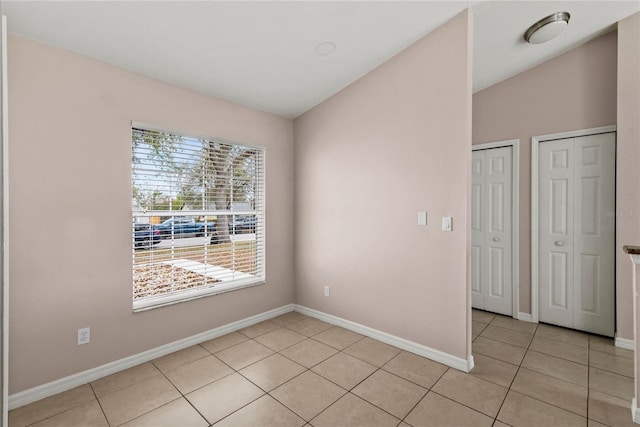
[(577, 232), (491, 284)]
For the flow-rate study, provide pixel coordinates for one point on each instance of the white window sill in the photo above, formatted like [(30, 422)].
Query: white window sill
[(150, 303)]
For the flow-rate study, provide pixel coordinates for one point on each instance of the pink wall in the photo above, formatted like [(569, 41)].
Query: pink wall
[(576, 90), (395, 142), (628, 231), (635, 274), (70, 201), (628, 158)]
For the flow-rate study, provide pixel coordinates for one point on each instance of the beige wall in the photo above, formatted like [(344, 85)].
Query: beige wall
[(628, 159), (576, 90), (70, 201), (366, 161), (3, 206), (393, 143)]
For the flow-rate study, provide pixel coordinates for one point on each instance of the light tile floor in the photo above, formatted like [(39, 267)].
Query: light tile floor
[(295, 370)]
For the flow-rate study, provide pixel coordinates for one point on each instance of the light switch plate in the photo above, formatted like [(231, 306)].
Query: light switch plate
[(422, 218), (447, 223)]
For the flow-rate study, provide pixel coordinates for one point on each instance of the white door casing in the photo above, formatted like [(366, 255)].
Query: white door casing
[(491, 228), (576, 232)]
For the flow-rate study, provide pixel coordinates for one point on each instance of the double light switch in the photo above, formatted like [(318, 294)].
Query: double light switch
[(447, 221)]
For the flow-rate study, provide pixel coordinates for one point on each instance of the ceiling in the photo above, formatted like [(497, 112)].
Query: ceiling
[(262, 54)]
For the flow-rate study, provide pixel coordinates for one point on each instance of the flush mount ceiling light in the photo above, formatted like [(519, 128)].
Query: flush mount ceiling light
[(547, 28), (325, 48)]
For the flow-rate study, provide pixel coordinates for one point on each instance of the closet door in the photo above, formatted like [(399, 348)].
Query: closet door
[(491, 246), (594, 234), (577, 232), (555, 222)]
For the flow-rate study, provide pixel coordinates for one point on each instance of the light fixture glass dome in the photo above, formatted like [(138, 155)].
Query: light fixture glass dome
[(547, 28)]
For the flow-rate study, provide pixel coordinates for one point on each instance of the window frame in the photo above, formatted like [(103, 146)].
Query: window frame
[(174, 297)]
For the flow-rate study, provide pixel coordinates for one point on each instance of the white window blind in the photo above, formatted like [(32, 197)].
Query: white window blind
[(198, 217)]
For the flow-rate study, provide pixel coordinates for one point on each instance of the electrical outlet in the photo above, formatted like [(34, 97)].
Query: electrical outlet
[(327, 291), (84, 336)]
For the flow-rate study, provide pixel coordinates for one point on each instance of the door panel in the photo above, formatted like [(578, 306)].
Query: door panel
[(560, 158), (477, 232), (476, 274), (594, 239), (590, 190), (476, 211), (555, 226), (590, 267), (559, 206), (496, 195), (576, 239), (497, 273), (491, 230), (497, 164), (558, 280)]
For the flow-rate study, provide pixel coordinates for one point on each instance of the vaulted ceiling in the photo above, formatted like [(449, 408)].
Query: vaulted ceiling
[(263, 54)]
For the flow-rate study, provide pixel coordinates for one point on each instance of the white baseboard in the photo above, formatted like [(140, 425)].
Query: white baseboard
[(635, 412), (419, 349), (625, 343), (525, 317), (67, 383)]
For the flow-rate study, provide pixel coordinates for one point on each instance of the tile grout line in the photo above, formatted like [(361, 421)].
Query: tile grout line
[(268, 393), (381, 368), (481, 331), (397, 376), (559, 379), (376, 370), (285, 405), (347, 391), (431, 390), (184, 396), (516, 374), (606, 368), (588, 375), (414, 407), (72, 408), (551, 404), (100, 404), (588, 366), (265, 392), (495, 419), (465, 405)]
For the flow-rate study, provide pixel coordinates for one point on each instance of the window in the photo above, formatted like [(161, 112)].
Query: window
[(198, 217)]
